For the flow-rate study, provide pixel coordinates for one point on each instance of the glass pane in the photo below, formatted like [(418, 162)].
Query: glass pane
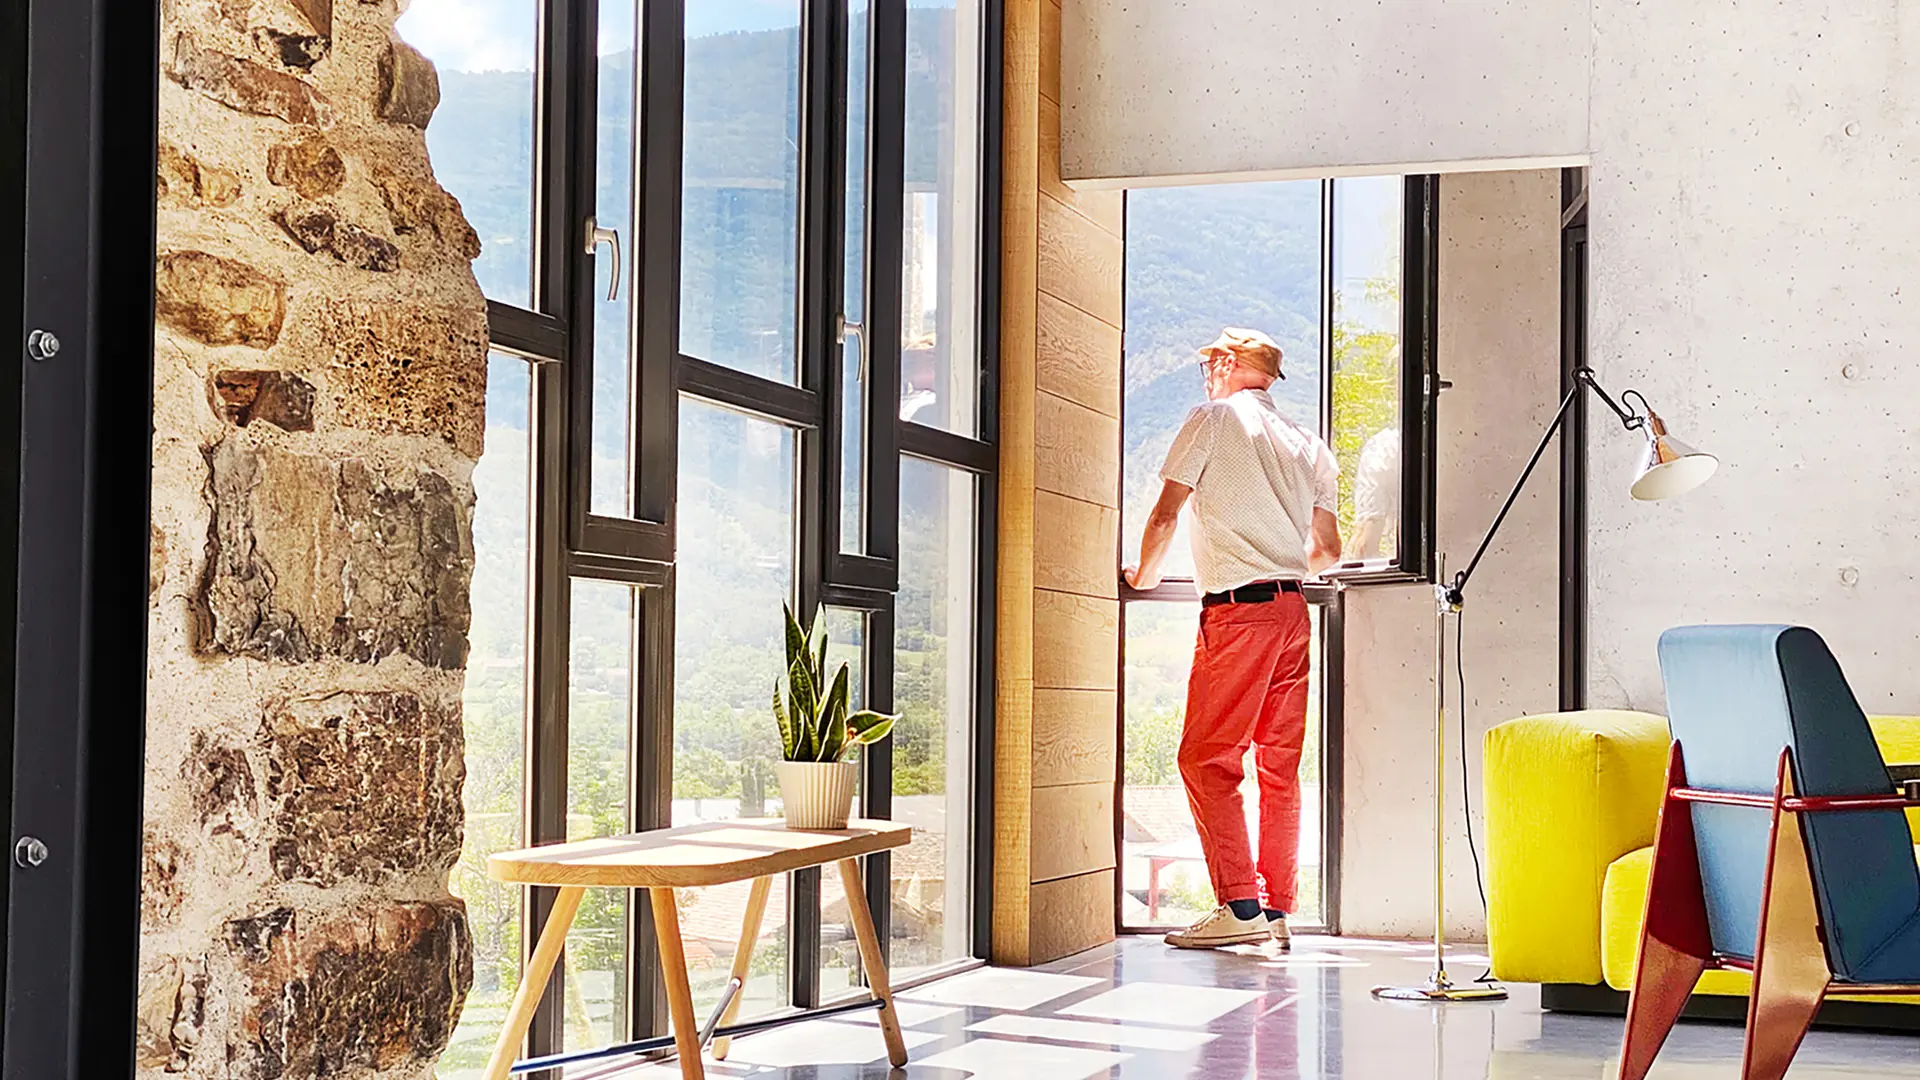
[(1367, 221), (1165, 874), (494, 708), (839, 951), (740, 217), (599, 748), (1199, 259), (933, 678), (613, 209), (853, 387), (940, 368), (481, 135), (737, 498)]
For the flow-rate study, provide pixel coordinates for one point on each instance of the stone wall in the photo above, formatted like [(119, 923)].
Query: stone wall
[(320, 363)]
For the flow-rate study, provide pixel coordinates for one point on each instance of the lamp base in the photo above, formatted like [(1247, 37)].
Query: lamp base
[(1440, 993)]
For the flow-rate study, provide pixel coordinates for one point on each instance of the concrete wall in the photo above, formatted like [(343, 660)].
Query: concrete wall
[(1162, 93), (1500, 346), (1754, 240)]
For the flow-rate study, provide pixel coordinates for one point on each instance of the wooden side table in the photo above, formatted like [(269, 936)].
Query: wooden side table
[(693, 856)]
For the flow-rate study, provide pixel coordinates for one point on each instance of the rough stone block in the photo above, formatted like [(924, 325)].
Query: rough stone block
[(374, 988), (161, 891), (312, 557), (281, 398), (409, 86), (297, 51), (318, 13), (169, 1012), (219, 301), (245, 86), (418, 205), (309, 166), (418, 369), (318, 229), (362, 787), (184, 177)]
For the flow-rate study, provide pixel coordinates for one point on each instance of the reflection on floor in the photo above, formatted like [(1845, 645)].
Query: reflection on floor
[(1140, 1009)]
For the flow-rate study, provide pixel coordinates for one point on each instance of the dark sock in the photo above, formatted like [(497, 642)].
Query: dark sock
[(1272, 915), (1244, 909)]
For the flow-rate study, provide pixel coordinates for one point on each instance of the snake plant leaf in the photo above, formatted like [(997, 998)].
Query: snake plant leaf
[(867, 726), (796, 637), (786, 724), (802, 707), (834, 727)]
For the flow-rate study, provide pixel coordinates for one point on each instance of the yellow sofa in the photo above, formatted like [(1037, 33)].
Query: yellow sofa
[(1571, 804)]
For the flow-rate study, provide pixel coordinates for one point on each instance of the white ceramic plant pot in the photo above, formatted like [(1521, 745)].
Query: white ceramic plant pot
[(817, 794)]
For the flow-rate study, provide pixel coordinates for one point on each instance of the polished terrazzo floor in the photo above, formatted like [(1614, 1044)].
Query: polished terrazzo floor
[(1140, 1009)]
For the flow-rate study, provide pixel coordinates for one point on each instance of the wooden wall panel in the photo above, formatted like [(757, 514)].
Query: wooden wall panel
[(1019, 285), (1076, 641), (1050, 50), (1075, 545), (1077, 356), (1076, 451), (1074, 740), (1071, 915), (1080, 262), (1078, 830)]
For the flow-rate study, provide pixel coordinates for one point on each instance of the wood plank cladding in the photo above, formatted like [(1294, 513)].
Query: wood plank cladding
[(1073, 736), (1077, 356), (1076, 642), (1070, 915), (1078, 828), (1057, 664), (1077, 451), (1080, 262), (1075, 545)]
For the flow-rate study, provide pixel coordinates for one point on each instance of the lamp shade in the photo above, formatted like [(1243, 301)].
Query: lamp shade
[(1669, 467)]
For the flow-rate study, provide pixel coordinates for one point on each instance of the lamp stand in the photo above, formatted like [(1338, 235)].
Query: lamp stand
[(1439, 985)]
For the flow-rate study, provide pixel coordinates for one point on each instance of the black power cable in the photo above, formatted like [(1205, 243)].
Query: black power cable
[(1466, 786)]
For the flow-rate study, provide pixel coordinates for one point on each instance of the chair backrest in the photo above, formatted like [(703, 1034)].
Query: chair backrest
[(1736, 695)]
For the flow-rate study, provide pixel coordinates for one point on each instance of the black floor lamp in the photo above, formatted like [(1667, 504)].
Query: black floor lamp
[(1667, 467)]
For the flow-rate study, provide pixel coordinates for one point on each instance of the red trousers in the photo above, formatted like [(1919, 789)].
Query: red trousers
[(1248, 688)]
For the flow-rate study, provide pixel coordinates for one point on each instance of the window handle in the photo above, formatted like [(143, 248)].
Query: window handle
[(597, 235), (843, 327)]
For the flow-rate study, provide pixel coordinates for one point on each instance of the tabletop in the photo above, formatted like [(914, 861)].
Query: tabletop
[(689, 856)]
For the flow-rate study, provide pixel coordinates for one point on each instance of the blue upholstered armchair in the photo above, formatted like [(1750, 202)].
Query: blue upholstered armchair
[(1782, 846)]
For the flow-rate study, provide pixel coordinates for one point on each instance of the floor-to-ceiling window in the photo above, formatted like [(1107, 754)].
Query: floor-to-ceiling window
[(732, 254), (1335, 272)]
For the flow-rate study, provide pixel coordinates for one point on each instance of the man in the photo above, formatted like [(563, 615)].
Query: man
[(1263, 491)]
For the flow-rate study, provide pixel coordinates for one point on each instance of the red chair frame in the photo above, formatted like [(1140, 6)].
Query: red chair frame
[(1791, 976)]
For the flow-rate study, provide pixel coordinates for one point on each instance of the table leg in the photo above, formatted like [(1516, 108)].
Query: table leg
[(533, 982), (743, 955), (873, 960), (673, 967)]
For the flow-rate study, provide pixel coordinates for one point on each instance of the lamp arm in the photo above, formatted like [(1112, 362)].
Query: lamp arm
[(1631, 420), (1454, 593)]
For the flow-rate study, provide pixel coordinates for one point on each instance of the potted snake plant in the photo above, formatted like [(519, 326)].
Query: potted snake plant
[(819, 735)]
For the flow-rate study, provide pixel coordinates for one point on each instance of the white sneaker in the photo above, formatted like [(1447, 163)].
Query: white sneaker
[(1282, 937), (1221, 929)]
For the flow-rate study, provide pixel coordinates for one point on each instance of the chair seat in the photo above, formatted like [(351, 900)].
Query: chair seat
[(1623, 902)]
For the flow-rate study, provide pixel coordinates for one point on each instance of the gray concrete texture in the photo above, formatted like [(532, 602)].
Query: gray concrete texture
[(1499, 343), (1161, 92)]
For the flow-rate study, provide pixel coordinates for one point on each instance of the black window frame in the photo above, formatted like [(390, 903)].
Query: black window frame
[(1414, 561), (570, 542)]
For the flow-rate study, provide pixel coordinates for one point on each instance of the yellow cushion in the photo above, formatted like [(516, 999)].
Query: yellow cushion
[(1566, 795), (1624, 901)]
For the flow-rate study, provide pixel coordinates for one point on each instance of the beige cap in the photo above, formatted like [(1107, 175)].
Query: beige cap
[(1250, 347)]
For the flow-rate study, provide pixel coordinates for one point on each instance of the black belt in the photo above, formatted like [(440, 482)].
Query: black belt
[(1260, 592)]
